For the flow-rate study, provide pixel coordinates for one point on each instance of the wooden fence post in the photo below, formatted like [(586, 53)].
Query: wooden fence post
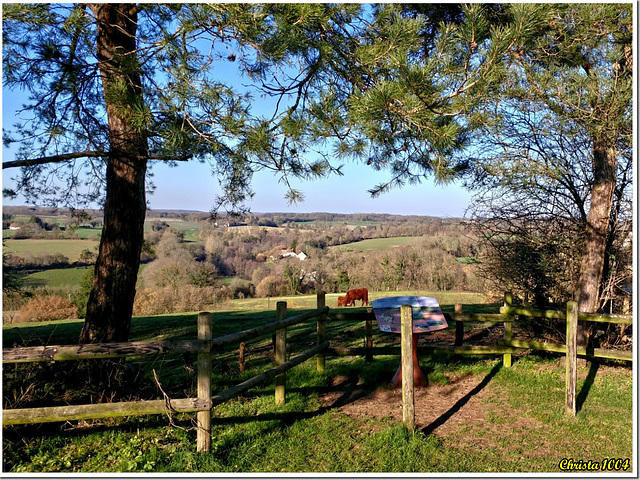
[(321, 331), (368, 337), (203, 440), (508, 302), (459, 326), (408, 406), (572, 359), (241, 352), (281, 352)]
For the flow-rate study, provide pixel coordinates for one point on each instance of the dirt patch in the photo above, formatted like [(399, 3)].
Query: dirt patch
[(439, 409), (462, 414), (461, 405)]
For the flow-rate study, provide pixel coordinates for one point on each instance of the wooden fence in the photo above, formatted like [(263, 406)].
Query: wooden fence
[(570, 348), (459, 319), (507, 316), (203, 346), (205, 401), (505, 346)]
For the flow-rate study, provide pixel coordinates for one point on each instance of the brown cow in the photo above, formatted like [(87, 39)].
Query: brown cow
[(357, 294), (342, 302)]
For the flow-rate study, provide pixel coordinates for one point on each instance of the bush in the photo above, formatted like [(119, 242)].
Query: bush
[(45, 384), (167, 272), (271, 286), (81, 297), (28, 260), (242, 288), (11, 303), (188, 298), (46, 308), (202, 275)]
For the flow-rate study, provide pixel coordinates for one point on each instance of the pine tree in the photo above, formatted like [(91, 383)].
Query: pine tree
[(113, 87)]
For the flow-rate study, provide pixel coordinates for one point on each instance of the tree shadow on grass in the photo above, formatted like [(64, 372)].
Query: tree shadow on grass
[(442, 419), (586, 386), (350, 391)]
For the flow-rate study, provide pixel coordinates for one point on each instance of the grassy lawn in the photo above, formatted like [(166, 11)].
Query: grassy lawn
[(378, 244), (83, 231), (86, 232), (331, 300), (512, 421), (56, 277), (68, 247)]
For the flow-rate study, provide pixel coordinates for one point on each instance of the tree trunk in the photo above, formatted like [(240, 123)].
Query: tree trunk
[(110, 305), (597, 228)]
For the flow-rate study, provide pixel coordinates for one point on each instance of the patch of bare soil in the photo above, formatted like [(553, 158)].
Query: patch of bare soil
[(440, 409)]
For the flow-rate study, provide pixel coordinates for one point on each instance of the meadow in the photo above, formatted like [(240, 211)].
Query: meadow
[(475, 415), (233, 250), (56, 278), (70, 248), (188, 228), (377, 244)]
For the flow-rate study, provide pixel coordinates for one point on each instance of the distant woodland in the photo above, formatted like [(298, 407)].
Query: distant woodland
[(191, 260)]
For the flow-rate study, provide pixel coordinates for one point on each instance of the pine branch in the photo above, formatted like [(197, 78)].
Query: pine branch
[(52, 159), (72, 156)]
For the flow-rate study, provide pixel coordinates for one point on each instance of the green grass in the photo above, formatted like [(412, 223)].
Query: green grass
[(57, 277), (68, 247), (86, 232), (251, 434), (178, 224), (518, 424), (377, 244), (467, 260), (191, 230), (331, 300)]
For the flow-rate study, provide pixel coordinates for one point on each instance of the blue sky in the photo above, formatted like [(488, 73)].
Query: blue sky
[(192, 186)]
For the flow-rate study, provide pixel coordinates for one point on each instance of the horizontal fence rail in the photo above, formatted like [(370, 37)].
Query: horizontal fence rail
[(608, 353), (477, 317), (18, 416), (251, 333), (423, 350), (588, 317), (51, 353), (162, 347)]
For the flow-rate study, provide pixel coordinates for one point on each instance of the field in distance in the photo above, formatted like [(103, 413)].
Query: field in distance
[(377, 244), (331, 300), (70, 248)]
